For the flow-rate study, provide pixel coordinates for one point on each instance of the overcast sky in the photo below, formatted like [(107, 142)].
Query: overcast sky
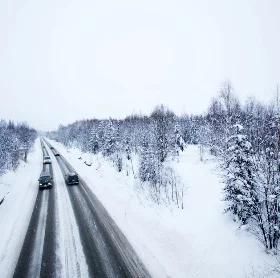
[(63, 60)]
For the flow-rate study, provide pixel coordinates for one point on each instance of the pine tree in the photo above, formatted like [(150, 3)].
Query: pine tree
[(240, 179)]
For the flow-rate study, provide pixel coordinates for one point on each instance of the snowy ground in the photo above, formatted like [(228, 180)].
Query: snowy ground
[(199, 241), (20, 188)]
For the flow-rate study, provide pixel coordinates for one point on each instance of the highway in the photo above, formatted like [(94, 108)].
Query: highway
[(71, 234)]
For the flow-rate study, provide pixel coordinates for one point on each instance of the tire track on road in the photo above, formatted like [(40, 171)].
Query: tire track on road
[(108, 252), (69, 247), (29, 263), (37, 257)]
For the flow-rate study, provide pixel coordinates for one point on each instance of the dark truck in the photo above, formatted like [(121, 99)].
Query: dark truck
[(56, 153), (45, 180), (71, 178), (47, 159)]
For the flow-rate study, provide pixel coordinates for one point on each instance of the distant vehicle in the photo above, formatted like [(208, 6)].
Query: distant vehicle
[(47, 160), (45, 180), (52, 148), (71, 178)]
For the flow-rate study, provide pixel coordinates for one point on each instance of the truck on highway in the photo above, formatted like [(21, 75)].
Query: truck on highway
[(45, 180), (47, 160), (71, 178), (55, 152)]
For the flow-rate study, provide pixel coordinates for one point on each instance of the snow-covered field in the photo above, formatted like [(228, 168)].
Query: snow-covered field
[(199, 241), (20, 188)]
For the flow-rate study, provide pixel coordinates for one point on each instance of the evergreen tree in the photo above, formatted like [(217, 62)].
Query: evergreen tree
[(240, 179)]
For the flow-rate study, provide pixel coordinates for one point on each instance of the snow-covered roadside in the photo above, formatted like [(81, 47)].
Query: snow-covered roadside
[(200, 241), (16, 210)]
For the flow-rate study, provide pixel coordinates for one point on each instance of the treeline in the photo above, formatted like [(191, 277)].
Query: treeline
[(244, 137), (148, 141), (13, 137)]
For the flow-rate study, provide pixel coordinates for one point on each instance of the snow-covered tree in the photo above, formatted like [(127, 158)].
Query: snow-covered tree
[(240, 179), (163, 122), (179, 141), (13, 137)]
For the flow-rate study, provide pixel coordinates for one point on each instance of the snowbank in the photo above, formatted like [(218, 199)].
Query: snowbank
[(20, 188), (199, 241)]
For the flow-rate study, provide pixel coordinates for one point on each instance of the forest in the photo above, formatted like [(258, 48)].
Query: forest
[(14, 138), (244, 138)]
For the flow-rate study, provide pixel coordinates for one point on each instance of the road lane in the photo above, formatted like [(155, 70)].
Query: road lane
[(29, 263), (37, 257), (108, 252), (72, 262)]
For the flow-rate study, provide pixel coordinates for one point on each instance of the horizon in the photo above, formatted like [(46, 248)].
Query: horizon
[(140, 113)]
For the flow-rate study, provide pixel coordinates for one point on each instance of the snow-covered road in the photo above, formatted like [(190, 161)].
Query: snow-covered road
[(38, 253), (107, 251), (70, 234), (72, 262)]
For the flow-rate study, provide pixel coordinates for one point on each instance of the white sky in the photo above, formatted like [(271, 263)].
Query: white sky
[(63, 60)]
